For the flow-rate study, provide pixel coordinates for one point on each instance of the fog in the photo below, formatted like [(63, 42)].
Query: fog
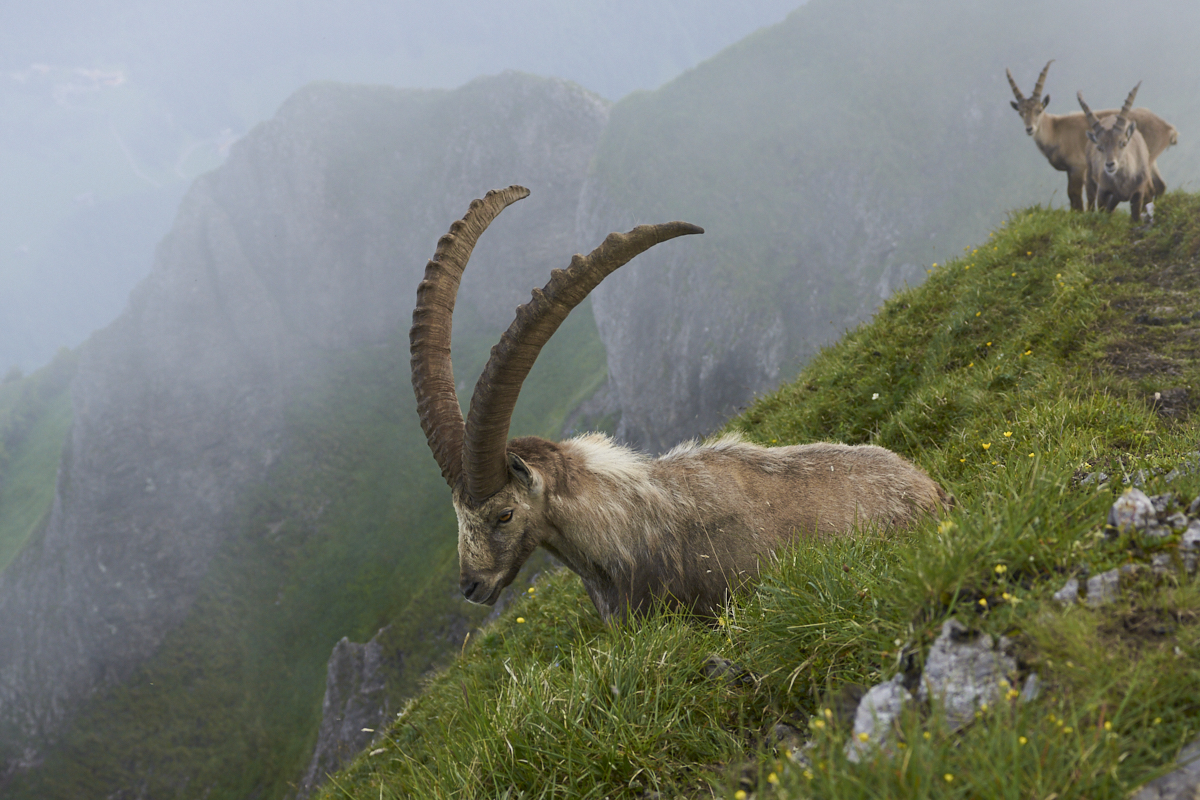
[(110, 109)]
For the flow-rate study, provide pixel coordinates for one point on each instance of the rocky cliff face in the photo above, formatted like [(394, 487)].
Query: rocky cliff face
[(308, 241), (693, 331)]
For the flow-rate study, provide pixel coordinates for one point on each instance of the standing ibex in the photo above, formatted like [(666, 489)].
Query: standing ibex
[(1118, 160), (685, 528), (1063, 138)]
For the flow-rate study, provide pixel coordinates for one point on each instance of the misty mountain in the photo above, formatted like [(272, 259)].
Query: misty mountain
[(244, 481), (112, 108), (289, 274), (831, 159)]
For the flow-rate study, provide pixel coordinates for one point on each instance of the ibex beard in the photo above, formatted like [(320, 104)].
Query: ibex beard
[(685, 529)]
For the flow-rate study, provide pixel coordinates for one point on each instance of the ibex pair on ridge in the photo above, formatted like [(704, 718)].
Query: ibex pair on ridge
[(684, 529), (1064, 140)]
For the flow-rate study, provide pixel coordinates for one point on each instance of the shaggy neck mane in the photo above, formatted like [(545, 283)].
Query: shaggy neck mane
[(612, 506)]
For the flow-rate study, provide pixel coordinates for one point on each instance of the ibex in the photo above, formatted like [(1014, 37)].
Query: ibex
[(1063, 138), (1118, 160), (683, 529)]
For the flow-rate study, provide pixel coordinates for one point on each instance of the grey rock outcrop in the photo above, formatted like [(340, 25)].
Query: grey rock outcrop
[(309, 240), (355, 707), (1181, 784), (964, 671), (873, 721)]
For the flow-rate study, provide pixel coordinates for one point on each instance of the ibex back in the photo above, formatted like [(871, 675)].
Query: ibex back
[(684, 529)]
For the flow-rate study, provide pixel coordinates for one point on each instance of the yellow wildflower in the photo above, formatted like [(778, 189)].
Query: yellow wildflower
[(520, 619), (1001, 569), (986, 445)]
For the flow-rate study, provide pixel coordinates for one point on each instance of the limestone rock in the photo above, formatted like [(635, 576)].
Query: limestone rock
[(1182, 784), (964, 671), (873, 722), (1132, 510), (354, 709)]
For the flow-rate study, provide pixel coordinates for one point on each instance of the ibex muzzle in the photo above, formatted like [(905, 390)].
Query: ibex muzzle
[(684, 529)]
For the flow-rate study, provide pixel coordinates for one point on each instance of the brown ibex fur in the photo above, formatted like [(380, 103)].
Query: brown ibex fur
[(683, 529), (1062, 138), (1118, 160)]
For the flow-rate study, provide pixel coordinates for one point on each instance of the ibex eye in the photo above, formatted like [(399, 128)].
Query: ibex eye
[(505, 517)]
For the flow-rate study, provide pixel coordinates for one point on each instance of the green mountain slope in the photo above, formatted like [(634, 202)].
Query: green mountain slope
[(35, 414), (352, 529), (1032, 359)]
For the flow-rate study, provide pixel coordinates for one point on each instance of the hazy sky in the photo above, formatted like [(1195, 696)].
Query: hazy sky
[(108, 108)]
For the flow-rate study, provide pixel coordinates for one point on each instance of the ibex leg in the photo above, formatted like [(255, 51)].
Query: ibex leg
[(1075, 191)]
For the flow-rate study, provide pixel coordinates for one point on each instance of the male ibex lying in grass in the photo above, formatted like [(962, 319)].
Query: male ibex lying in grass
[(685, 528), (1118, 160), (1063, 139)]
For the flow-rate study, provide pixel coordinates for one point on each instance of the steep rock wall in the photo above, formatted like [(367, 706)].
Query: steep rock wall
[(309, 240)]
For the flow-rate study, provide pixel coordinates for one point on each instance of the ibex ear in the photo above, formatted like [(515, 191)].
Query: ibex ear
[(1013, 103), (1045, 101), (518, 470), (1130, 130), (1092, 135)]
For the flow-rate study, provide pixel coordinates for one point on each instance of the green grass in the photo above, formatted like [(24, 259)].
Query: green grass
[(1008, 374), (35, 415)]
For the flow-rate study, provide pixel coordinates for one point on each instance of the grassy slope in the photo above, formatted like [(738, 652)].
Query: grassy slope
[(35, 415), (352, 530), (1010, 369)]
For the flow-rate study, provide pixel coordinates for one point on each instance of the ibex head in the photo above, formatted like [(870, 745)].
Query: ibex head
[(1110, 139), (499, 487), (1031, 108)]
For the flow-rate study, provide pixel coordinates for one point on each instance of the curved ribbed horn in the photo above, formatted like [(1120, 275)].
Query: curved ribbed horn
[(1037, 89), (1087, 112), (484, 461), (429, 338), (1125, 109), (1016, 91)]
